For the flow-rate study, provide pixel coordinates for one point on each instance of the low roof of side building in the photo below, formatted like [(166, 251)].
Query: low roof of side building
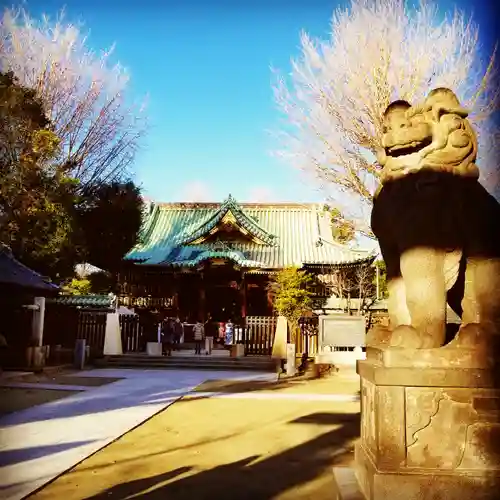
[(15, 275)]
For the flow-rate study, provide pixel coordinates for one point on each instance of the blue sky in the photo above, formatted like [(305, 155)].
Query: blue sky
[(205, 65)]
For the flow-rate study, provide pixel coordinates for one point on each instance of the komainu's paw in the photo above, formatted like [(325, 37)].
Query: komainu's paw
[(408, 337), (469, 336), (405, 336), (378, 336)]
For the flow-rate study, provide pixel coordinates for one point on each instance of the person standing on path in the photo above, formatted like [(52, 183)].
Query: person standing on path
[(229, 333), (3, 351), (222, 334), (167, 335), (199, 333), (178, 331), (210, 333)]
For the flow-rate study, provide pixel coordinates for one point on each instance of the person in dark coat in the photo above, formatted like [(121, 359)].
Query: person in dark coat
[(178, 331), (3, 351), (167, 336)]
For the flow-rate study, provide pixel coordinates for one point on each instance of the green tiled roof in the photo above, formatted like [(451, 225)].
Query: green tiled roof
[(211, 221), (104, 301), (293, 235)]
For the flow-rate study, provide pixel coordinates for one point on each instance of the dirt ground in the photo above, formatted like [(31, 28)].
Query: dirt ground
[(17, 399), (63, 376), (220, 448), (14, 399)]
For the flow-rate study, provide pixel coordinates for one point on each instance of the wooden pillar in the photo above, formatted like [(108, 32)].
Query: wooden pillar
[(243, 293), (175, 292), (202, 308), (269, 295)]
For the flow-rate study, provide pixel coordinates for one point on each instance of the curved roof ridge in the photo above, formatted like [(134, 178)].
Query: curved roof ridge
[(229, 205)]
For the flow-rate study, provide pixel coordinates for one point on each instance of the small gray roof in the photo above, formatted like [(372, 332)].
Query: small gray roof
[(15, 274), (93, 301)]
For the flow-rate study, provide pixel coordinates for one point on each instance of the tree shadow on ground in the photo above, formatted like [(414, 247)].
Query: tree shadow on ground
[(213, 388), (257, 480), (197, 444), (137, 485), (11, 457)]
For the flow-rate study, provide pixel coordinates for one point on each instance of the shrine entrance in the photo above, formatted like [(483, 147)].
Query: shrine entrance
[(223, 303), (223, 291)]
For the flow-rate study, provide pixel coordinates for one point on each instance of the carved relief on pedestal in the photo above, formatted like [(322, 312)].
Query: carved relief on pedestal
[(481, 447), (438, 422), (421, 406), (368, 431)]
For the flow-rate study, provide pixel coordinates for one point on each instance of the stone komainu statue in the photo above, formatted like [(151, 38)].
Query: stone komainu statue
[(438, 228)]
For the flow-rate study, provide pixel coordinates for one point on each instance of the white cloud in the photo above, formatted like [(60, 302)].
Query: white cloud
[(196, 191), (261, 194)]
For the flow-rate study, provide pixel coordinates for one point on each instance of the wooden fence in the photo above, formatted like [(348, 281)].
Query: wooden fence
[(132, 332), (92, 328), (63, 325), (60, 326), (258, 334), (307, 339)]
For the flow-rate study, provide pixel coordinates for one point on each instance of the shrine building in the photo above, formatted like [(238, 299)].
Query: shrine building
[(196, 259)]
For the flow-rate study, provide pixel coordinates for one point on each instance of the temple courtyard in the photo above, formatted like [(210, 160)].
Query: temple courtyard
[(180, 434)]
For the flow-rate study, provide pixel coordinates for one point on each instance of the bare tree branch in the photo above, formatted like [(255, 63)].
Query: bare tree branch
[(366, 289), (84, 95), (341, 284), (379, 50)]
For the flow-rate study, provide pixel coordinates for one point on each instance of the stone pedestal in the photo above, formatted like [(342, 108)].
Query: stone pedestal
[(237, 351), (35, 358), (429, 425), (153, 349)]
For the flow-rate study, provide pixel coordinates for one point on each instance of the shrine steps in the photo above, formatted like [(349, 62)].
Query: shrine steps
[(141, 360)]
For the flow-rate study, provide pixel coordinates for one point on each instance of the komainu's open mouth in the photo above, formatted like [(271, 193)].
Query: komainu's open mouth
[(408, 148)]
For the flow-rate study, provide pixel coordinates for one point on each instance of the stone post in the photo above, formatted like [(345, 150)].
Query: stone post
[(291, 368), (38, 321), (80, 352), (113, 336), (36, 354)]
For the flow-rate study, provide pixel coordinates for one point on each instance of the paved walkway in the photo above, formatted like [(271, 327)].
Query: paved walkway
[(40, 443), (226, 441)]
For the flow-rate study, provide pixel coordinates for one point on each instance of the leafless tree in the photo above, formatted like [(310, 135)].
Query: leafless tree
[(83, 94), (341, 285), (379, 50), (364, 276)]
